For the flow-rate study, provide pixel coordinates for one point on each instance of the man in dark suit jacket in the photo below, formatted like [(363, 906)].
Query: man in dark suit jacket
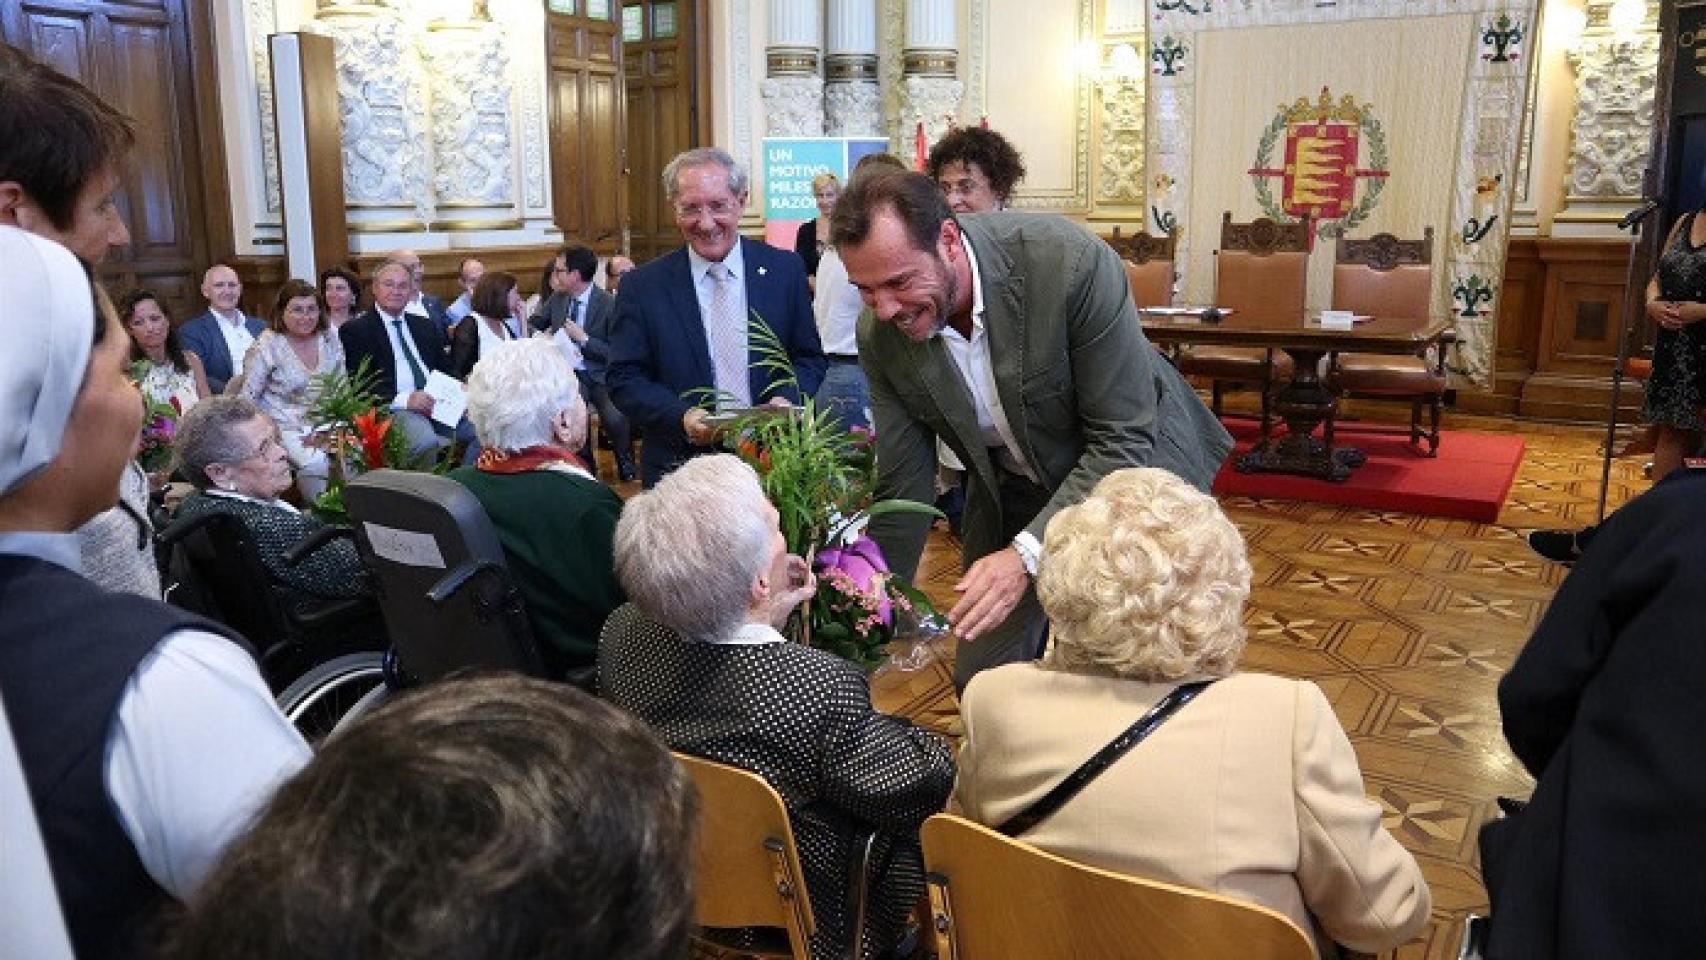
[(681, 321), (222, 335), (582, 312), (1603, 708), (403, 349), (1013, 338)]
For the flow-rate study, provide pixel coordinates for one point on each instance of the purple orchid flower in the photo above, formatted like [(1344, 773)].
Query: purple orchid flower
[(862, 561)]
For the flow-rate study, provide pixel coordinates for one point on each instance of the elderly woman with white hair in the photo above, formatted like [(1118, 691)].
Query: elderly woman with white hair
[(555, 520), (698, 656), (146, 734), (1247, 787)]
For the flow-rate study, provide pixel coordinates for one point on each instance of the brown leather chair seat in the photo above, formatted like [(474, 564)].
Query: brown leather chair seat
[(1374, 374), (1238, 364)]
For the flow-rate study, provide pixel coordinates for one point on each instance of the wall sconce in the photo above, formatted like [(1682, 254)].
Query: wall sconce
[(1564, 27), (1123, 64)]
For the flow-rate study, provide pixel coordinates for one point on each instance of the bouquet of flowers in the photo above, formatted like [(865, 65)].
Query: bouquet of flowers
[(356, 427), (159, 430), (821, 478)]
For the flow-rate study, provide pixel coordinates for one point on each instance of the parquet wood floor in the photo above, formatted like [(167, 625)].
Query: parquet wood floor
[(1407, 623)]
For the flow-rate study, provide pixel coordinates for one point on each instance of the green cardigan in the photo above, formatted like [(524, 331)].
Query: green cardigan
[(558, 532)]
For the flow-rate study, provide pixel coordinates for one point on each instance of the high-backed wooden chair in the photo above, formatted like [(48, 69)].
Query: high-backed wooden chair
[(1148, 266), (1260, 272), (994, 898), (749, 867), (1384, 276)]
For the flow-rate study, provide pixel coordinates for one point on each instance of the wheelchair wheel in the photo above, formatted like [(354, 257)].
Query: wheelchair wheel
[(322, 697)]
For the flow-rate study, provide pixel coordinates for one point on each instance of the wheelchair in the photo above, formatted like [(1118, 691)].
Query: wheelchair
[(443, 587)]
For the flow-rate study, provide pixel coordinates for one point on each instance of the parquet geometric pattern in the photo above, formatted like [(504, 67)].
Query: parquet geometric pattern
[(1406, 623)]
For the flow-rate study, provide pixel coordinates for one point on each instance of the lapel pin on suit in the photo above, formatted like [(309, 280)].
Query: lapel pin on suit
[(762, 271)]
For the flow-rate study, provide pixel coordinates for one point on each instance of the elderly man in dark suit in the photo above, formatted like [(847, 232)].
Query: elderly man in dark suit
[(581, 312), (681, 321), (697, 655), (421, 303), (403, 349), (1013, 338), (222, 335)]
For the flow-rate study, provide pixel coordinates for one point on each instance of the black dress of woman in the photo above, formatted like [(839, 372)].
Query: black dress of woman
[(1676, 390)]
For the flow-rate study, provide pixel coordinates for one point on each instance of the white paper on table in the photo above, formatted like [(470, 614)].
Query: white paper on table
[(449, 400)]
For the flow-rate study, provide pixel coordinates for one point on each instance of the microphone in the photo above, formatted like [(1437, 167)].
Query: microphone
[(1640, 213)]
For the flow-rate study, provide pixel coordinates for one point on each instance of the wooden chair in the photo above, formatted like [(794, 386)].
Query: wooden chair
[(749, 871), (1260, 272), (1148, 266), (992, 898), (1384, 276)]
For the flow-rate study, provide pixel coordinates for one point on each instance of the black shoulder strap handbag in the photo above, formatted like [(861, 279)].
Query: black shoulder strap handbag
[(1092, 768)]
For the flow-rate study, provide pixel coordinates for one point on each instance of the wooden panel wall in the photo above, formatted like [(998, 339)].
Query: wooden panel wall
[(663, 81), (1560, 314), (584, 63)]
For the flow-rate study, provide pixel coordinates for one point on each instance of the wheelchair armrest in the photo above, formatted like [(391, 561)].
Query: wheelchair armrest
[(184, 526), (314, 541), (452, 582), (334, 611)]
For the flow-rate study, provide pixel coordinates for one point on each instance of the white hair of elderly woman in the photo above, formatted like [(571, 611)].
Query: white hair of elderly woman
[(518, 393), (689, 549), (1146, 579)]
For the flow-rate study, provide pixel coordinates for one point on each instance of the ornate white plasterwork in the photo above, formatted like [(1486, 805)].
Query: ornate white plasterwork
[(852, 108), (468, 65), (793, 106), (263, 21), (1611, 131), (381, 90), (933, 101), (1122, 141), (890, 73), (740, 84)]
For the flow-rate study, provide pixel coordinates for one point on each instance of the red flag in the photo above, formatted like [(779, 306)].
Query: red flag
[(921, 153)]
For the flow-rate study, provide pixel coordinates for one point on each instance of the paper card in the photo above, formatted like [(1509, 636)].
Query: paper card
[(449, 399), (1337, 320), (404, 546)]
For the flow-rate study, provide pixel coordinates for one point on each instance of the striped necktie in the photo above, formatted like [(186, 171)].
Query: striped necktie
[(725, 330)]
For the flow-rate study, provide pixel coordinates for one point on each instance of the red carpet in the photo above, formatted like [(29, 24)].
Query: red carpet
[(1467, 481)]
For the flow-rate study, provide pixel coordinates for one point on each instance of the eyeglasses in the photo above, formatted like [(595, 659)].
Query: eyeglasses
[(718, 209), (267, 446)]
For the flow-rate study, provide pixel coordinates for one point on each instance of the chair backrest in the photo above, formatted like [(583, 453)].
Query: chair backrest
[(444, 589), (998, 897), (749, 867), (216, 570), (1148, 266), (1384, 276), (1261, 270)]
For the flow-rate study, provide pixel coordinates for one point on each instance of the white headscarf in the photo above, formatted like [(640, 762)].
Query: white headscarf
[(47, 326)]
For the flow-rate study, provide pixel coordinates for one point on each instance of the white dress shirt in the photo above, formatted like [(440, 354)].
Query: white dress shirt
[(698, 266), (406, 383), (754, 635), (238, 339), (459, 308), (837, 306), (197, 744), (971, 356)]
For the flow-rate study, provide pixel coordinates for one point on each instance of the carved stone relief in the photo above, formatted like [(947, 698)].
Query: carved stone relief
[(1612, 127), (263, 21), (1122, 141), (470, 114), (793, 106), (853, 108)]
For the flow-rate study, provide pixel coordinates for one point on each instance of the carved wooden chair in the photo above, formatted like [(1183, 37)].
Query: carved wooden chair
[(1260, 272), (1384, 276), (1148, 265)]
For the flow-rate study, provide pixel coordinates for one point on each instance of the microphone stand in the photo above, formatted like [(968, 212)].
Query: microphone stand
[(1632, 222)]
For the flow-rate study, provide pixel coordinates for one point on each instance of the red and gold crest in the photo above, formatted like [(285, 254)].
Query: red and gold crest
[(1323, 163)]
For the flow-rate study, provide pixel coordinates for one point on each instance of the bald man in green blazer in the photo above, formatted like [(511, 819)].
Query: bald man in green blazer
[(1014, 338)]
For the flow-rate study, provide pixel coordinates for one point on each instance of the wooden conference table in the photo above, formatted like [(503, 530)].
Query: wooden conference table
[(1304, 402)]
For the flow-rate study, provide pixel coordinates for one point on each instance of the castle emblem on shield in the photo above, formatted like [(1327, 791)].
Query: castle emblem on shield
[(1329, 152)]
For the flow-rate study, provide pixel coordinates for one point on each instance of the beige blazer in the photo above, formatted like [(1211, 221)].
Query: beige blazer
[(1251, 791)]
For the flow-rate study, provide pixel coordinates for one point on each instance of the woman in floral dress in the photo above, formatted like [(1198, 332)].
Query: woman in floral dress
[(278, 376)]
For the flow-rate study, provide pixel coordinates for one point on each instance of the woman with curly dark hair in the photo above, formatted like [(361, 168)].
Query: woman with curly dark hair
[(977, 169)]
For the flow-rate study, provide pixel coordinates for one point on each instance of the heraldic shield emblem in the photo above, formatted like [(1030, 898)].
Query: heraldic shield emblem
[(1330, 150)]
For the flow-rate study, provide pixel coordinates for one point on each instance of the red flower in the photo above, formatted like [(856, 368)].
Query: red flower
[(371, 428)]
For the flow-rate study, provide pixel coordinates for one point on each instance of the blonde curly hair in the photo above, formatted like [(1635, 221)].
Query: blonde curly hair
[(1145, 579)]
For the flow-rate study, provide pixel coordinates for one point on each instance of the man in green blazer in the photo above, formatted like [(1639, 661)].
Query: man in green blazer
[(1014, 338)]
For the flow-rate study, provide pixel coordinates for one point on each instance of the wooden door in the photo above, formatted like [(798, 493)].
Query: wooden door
[(136, 56), (588, 167), (663, 63)]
